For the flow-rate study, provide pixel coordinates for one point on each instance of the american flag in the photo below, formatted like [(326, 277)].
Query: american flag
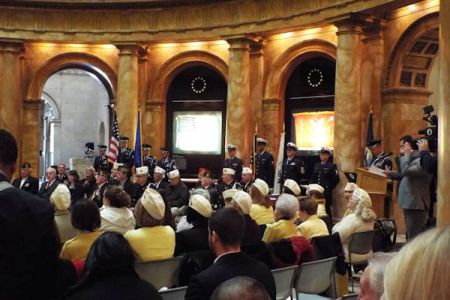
[(114, 143)]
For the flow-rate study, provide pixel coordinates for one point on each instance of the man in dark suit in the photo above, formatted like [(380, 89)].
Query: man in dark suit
[(226, 229), (233, 162), (122, 176), (62, 176), (26, 182), (28, 251), (50, 185), (265, 169)]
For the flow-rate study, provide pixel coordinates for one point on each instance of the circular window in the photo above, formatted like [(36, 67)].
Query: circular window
[(198, 85), (315, 78)]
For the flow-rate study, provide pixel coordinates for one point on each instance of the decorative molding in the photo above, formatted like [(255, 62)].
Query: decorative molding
[(271, 104), (154, 105), (418, 96)]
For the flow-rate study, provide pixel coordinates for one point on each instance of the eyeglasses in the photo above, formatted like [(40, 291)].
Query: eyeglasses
[(348, 191)]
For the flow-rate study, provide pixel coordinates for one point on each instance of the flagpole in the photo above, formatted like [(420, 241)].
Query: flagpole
[(277, 177)]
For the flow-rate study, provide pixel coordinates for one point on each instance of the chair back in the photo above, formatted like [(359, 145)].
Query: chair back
[(161, 273), (330, 246), (315, 277), (350, 297), (360, 242), (284, 281), (174, 294)]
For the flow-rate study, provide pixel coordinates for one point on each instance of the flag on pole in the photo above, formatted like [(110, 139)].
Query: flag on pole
[(368, 155), (276, 183), (113, 152), (254, 147), (137, 143)]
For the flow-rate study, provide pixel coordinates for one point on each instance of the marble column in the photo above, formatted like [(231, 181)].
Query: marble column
[(348, 133), (31, 134), (10, 86), (154, 120), (238, 129), (256, 87), (127, 89), (443, 203), (271, 126)]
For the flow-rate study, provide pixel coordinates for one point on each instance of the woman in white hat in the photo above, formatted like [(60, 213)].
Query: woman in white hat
[(60, 198), (262, 210), (115, 214), (198, 212), (155, 240), (242, 202), (348, 192), (363, 219)]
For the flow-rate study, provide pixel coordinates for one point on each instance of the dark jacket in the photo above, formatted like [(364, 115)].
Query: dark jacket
[(265, 169), (101, 163), (45, 192), (28, 252), (177, 195), (292, 169), (235, 164), (76, 193), (252, 233), (226, 267), (192, 239), (31, 185), (88, 186)]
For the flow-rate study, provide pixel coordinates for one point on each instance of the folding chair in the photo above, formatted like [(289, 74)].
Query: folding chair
[(161, 273), (314, 277), (284, 281), (360, 243), (174, 294)]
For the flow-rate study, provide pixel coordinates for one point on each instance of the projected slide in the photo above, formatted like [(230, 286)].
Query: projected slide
[(314, 130), (197, 132)]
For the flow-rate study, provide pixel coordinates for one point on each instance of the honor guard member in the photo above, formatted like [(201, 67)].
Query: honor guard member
[(265, 169), (247, 179), (167, 163), (101, 161), (148, 159), (233, 162), (227, 183), (126, 155), (293, 168), (380, 160), (326, 174)]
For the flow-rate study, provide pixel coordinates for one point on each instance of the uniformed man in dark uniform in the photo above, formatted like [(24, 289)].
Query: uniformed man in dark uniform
[(167, 163), (233, 162), (265, 169), (101, 161), (126, 155), (247, 179), (228, 182), (293, 168), (326, 174), (148, 159), (380, 160)]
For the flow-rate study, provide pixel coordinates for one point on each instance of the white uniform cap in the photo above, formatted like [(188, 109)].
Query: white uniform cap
[(231, 146), (244, 201), (60, 197), (261, 140), (262, 186), (293, 186), (159, 170), (201, 205), (246, 170), (314, 187), (142, 170), (228, 171), (229, 193), (153, 203), (291, 145), (174, 174), (325, 149), (362, 197)]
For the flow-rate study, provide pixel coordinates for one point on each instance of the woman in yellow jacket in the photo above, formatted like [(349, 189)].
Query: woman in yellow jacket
[(261, 211), (285, 212)]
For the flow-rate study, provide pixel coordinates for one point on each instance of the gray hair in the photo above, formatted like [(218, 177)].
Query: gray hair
[(50, 170), (240, 287), (287, 205), (201, 192), (377, 264)]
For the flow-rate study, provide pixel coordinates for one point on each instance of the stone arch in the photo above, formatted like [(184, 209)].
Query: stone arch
[(84, 61), (412, 58), (290, 59), (176, 64)]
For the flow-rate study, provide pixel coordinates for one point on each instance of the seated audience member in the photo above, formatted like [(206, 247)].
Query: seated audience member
[(227, 195), (159, 183), (88, 183), (196, 238), (421, 269), (109, 273), (101, 181), (177, 193), (242, 288), (201, 173), (262, 210), (86, 219), (285, 212), (363, 219), (348, 192), (291, 187), (142, 181), (247, 179), (49, 185), (114, 214), (311, 225), (371, 281), (182, 223), (26, 182), (154, 240), (60, 199), (243, 203), (207, 183), (315, 192), (123, 178), (226, 229), (74, 185)]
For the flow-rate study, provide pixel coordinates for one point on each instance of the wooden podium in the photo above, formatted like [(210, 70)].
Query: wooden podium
[(376, 186)]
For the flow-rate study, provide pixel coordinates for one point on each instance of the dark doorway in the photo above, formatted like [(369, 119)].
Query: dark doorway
[(310, 91), (196, 118)]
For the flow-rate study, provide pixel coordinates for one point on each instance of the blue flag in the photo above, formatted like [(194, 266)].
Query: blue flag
[(137, 143)]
